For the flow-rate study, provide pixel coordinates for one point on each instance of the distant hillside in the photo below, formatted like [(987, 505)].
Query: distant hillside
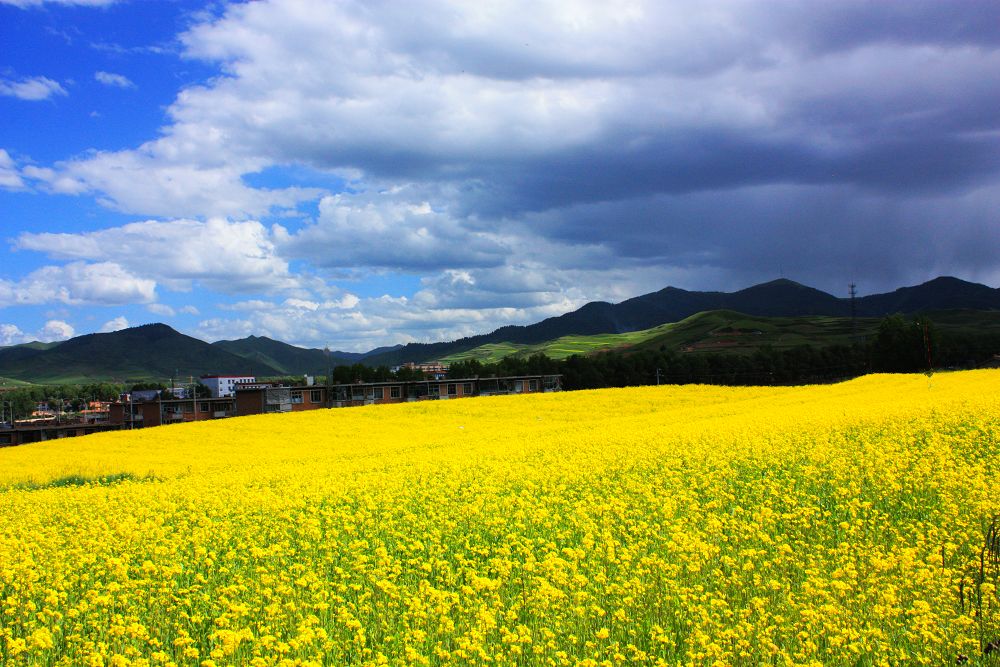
[(286, 359), (153, 351), (729, 332), (778, 298), (290, 359), (156, 351)]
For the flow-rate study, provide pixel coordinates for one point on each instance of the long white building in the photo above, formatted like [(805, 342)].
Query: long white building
[(222, 386)]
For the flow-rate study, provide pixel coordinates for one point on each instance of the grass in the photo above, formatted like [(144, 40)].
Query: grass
[(76, 479), (729, 332), (10, 383), (560, 348)]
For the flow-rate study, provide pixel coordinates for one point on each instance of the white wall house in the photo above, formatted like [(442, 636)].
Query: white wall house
[(223, 385)]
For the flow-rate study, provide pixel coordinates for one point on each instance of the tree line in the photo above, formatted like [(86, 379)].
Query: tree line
[(900, 346)]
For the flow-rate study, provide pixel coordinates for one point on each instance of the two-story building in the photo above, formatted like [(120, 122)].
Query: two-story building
[(222, 386)]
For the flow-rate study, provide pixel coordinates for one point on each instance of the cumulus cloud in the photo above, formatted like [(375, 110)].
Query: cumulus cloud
[(161, 309), (54, 330), (117, 324), (33, 89), (113, 80), (522, 111), (78, 283), (364, 324), (10, 178), (386, 230), (449, 305), (158, 179), (217, 254), (525, 158), (11, 334)]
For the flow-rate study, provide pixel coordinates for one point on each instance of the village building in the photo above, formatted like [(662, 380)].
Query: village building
[(222, 386)]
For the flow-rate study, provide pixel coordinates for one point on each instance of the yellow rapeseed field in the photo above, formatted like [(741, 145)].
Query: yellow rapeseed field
[(828, 525)]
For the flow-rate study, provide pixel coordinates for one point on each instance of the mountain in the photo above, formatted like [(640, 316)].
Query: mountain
[(286, 359), (944, 293), (290, 359), (156, 351), (778, 298), (152, 351)]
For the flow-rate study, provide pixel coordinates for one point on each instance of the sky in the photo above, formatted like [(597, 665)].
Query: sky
[(356, 174)]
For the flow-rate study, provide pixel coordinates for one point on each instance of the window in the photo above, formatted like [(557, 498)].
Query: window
[(296, 397), (394, 392), (453, 389), (518, 387), (203, 407), (316, 395), (358, 393), (467, 389), (532, 385), (434, 390)]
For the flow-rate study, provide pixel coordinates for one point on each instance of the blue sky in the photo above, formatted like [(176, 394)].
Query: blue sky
[(357, 174)]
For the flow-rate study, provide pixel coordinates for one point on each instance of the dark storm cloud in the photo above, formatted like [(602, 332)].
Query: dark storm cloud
[(825, 236), (834, 26), (731, 138)]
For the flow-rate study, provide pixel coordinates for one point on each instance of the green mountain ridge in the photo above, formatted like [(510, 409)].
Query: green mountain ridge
[(779, 313), (728, 331), (778, 298), (148, 352)]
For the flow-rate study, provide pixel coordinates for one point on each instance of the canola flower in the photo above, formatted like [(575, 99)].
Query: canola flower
[(826, 525)]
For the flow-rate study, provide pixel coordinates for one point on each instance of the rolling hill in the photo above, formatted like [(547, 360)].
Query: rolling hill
[(152, 351), (293, 360), (778, 298), (284, 358), (779, 313), (730, 332)]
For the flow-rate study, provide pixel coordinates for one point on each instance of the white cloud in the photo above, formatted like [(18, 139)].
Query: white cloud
[(523, 158), (189, 310), (53, 330), (113, 80), (9, 176), (117, 324), (161, 179), (33, 89), (56, 330), (217, 254), (52, 181), (161, 309), (359, 324), (78, 283), (11, 334), (386, 230)]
